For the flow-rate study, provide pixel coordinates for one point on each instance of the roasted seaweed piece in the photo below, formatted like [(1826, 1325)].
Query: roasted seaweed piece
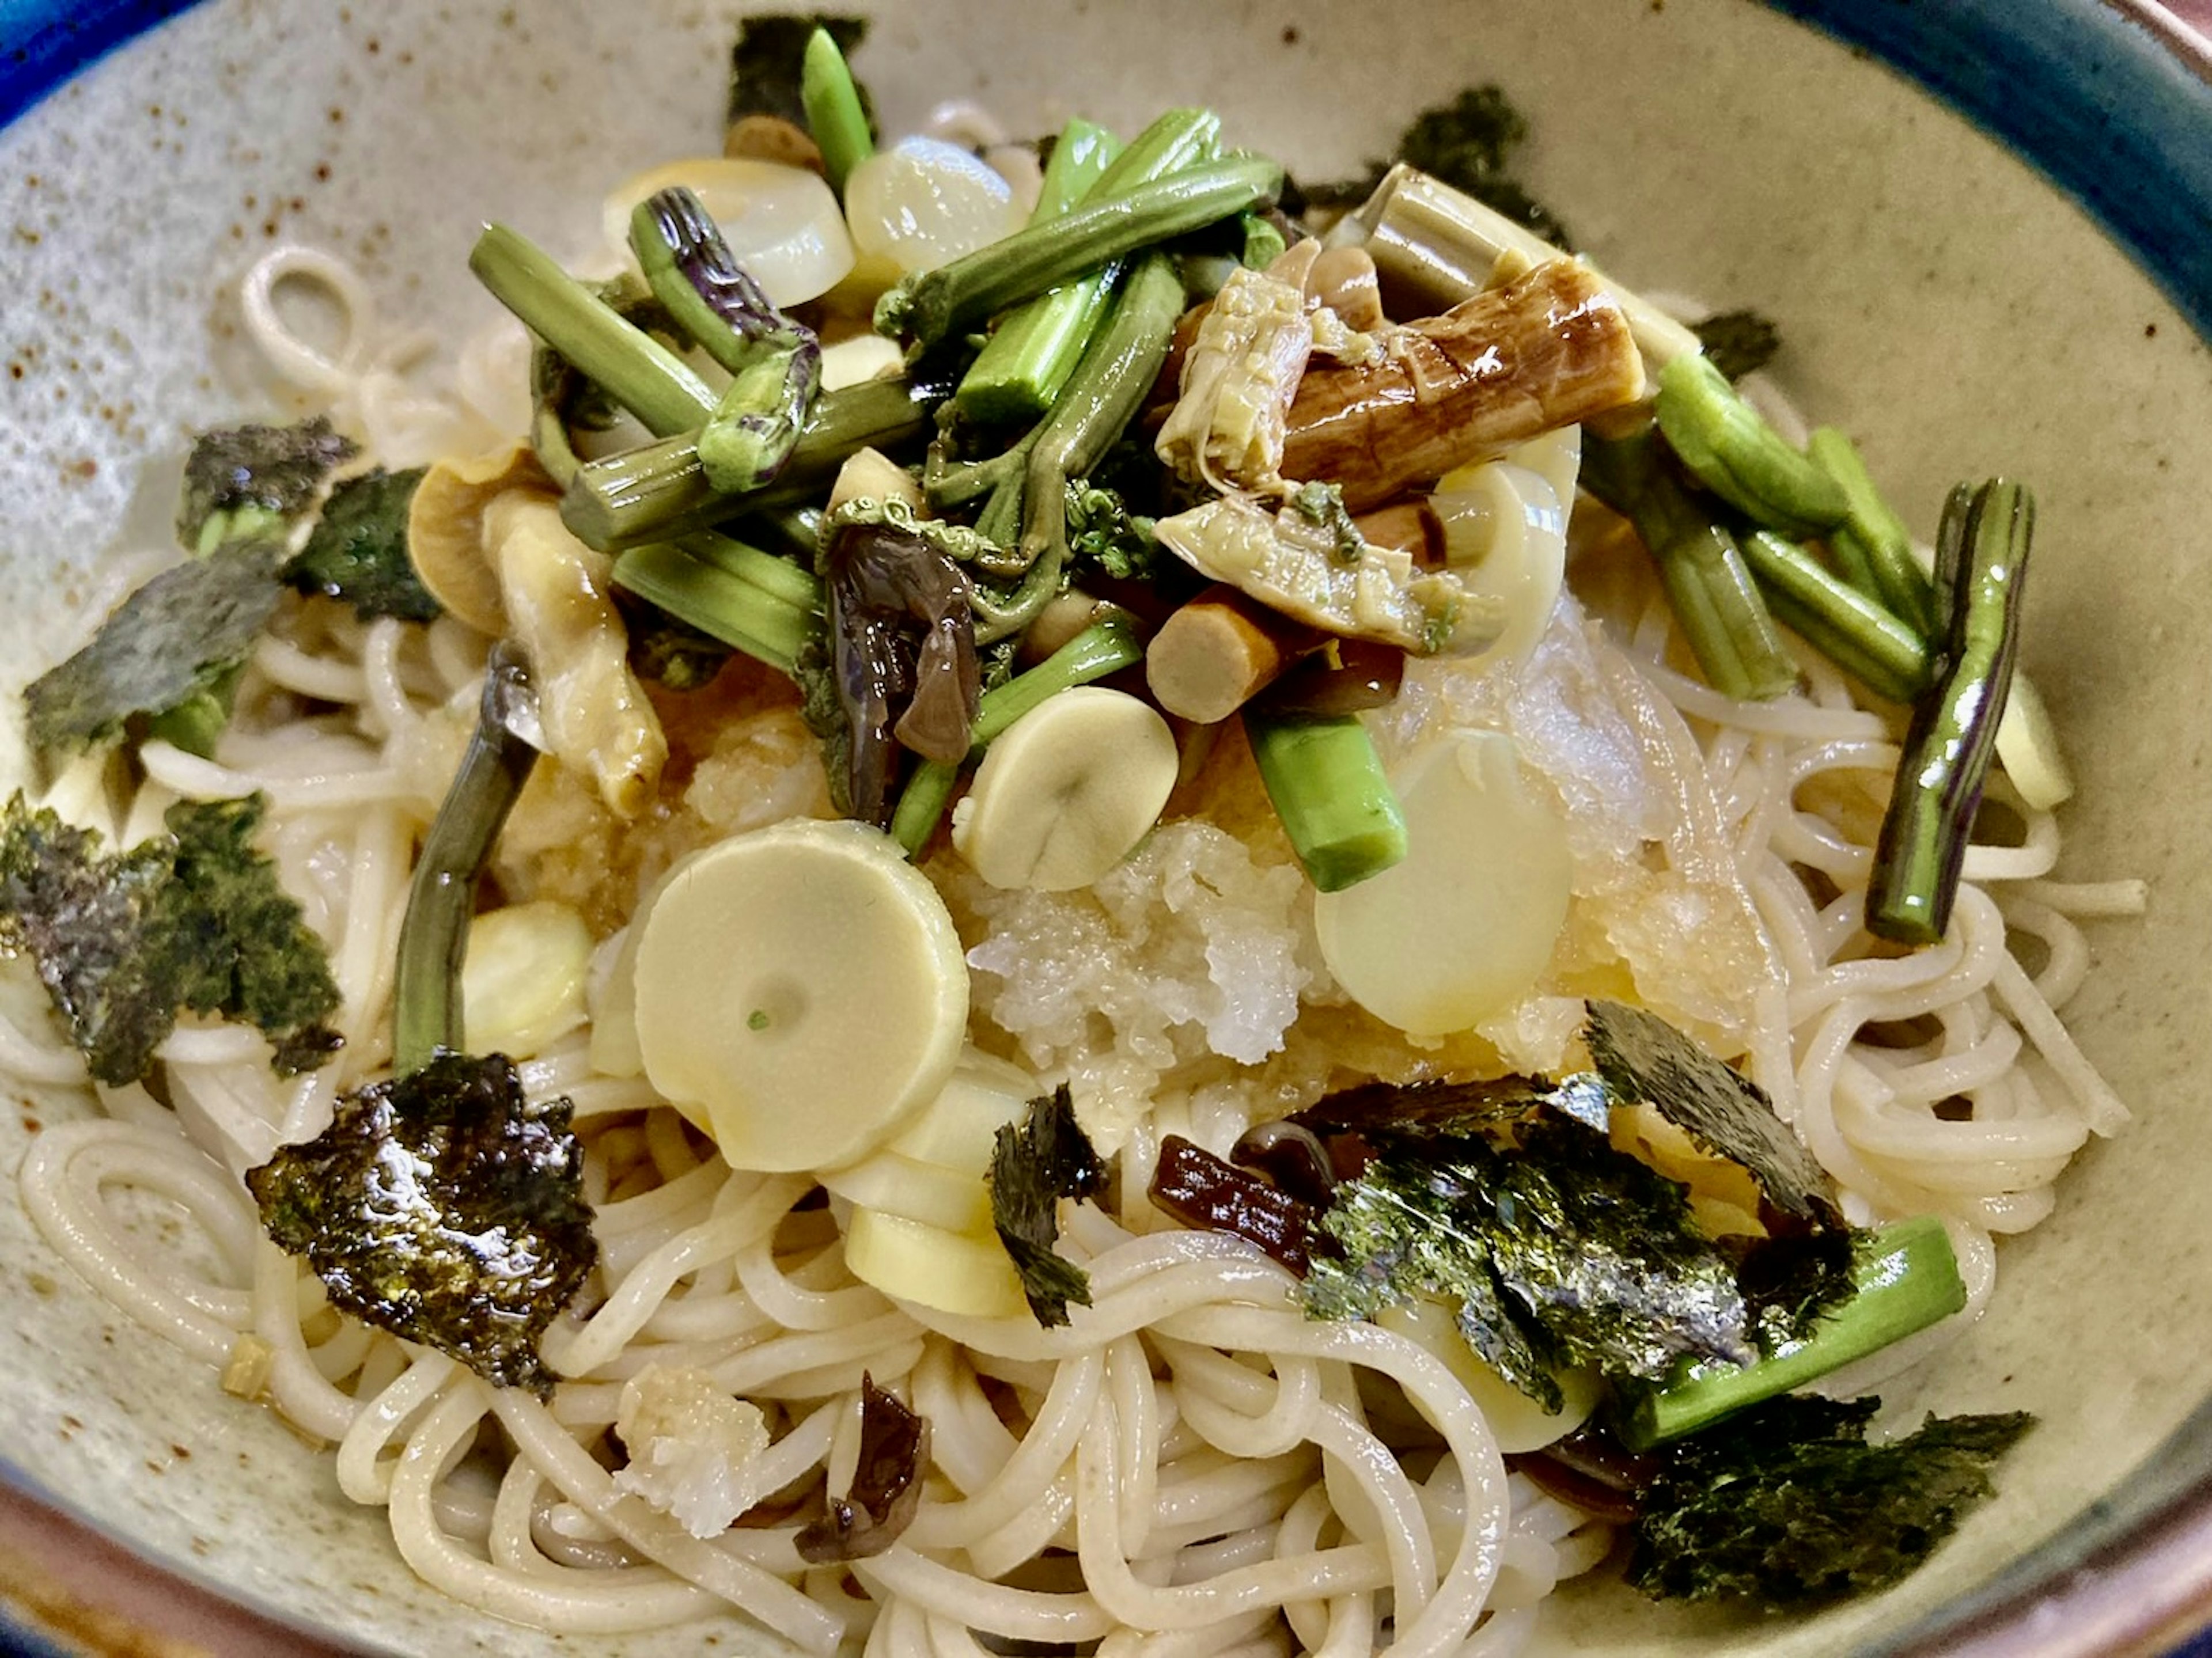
[(1739, 342), (1787, 1505), (1035, 1164), (249, 481), (1642, 1057), (180, 636), (195, 920), (1560, 1251), (767, 63), (445, 1207), (357, 550), (886, 1487)]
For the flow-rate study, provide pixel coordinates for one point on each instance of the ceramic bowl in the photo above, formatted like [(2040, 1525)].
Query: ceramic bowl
[(1938, 296)]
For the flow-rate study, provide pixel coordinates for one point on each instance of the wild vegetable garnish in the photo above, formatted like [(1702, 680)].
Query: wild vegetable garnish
[(1034, 1165), (193, 920), (1790, 1506), (445, 1207), (1981, 571)]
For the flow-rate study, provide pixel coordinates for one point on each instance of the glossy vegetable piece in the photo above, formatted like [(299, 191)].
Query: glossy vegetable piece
[(1549, 349), (1981, 573), (1326, 783), (782, 224), (1732, 451)]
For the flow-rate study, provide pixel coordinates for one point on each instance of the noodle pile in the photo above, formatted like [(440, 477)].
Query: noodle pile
[(1191, 1465)]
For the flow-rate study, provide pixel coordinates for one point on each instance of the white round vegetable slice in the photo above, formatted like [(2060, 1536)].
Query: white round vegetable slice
[(782, 224), (802, 984), (1067, 791), (953, 1272), (1505, 537), (1518, 1421), (1460, 929), (924, 203), (522, 984)]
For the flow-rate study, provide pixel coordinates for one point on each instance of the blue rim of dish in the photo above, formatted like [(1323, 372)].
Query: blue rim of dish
[(2047, 87)]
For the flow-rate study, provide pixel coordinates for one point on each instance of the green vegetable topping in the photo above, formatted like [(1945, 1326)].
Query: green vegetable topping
[(1102, 531), (835, 112), (1981, 573), (1559, 1251), (1035, 1164), (195, 920), (1738, 343), (250, 482), (1322, 506), (445, 1207), (357, 550), (1789, 1505)]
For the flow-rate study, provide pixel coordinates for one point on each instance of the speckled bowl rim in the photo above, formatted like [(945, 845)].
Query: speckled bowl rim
[(2133, 1573)]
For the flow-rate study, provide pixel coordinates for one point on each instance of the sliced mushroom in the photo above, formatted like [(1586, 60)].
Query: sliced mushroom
[(446, 535)]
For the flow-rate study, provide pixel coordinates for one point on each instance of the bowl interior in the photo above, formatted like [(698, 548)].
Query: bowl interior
[(1939, 302)]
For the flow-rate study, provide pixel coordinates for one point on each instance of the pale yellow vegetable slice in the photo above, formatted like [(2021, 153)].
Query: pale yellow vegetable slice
[(522, 984), (962, 1124), (1067, 791), (2027, 748), (1518, 1421), (929, 1193), (1505, 537), (952, 1271), (1462, 929), (782, 224), (803, 985), (864, 357)]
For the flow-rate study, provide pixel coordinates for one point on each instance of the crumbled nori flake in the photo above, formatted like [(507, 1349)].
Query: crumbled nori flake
[(357, 550), (445, 1207), (249, 480), (1738, 343), (767, 63), (193, 920), (1787, 1505), (886, 1489), (1467, 143), (1560, 1251), (1642, 1057), (173, 638), (1035, 1164)]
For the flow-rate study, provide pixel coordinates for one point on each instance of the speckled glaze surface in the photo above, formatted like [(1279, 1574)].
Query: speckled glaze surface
[(1939, 301)]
